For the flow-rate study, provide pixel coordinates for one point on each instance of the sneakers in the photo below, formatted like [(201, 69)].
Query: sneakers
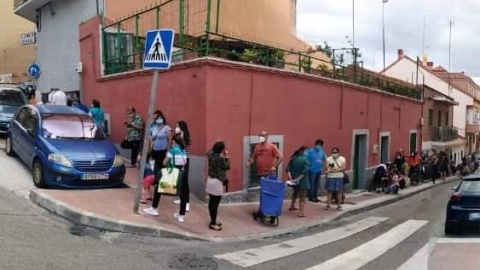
[(180, 219), (187, 208), (151, 211)]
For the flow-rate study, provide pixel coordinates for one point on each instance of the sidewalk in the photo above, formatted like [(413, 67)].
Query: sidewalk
[(112, 209)]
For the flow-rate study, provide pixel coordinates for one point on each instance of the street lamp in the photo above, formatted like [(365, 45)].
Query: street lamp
[(5, 61), (353, 23), (383, 16)]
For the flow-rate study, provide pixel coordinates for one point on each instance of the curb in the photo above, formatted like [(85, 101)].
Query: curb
[(88, 219), (379, 204)]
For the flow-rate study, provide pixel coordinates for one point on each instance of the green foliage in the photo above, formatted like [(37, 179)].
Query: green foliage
[(326, 49), (250, 56), (264, 56), (306, 63)]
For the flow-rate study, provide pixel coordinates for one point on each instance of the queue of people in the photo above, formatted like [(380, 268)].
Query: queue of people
[(305, 167)]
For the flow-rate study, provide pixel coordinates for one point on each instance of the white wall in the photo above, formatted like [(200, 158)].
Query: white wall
[(406, 70), (58, 48)]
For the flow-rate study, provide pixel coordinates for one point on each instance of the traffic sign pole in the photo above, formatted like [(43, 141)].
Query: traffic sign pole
[(157, 55), (146, 135)]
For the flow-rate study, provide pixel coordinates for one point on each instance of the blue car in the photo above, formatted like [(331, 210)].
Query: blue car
[(463, 208), (10, 100), (64, 148)]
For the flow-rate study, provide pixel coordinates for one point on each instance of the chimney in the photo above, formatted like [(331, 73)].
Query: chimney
[(430, 64), (400, 53)]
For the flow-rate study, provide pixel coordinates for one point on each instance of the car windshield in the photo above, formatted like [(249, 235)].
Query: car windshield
[(12, 98), (70, 127), (470, 186)]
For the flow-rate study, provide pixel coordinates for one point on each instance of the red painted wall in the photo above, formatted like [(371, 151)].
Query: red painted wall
[(227, 101)]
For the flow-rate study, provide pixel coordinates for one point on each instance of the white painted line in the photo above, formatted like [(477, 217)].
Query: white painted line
[(419, 261), (371, 250), (254, 256), (458, 241)]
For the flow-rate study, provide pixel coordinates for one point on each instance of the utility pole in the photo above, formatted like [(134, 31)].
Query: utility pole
[(423, 37), (353, 22), (450, 58), (383, 16)]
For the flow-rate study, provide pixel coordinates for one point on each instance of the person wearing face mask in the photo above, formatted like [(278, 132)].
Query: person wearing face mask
[(177, 157), (335, 166), (266, 157), (316, 156), (155, 115), (298, 173), (160, 140), (181, 129), (399, 161), (134, 134)]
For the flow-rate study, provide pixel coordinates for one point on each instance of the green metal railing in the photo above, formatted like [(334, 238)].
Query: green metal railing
[(124, 42)]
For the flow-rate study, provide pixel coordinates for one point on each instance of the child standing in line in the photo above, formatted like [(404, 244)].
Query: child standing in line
[(148, 181)]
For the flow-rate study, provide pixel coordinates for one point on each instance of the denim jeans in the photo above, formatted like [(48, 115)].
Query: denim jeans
[(314, 179)]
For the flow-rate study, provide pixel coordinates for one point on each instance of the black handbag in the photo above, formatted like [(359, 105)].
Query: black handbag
[(346, 179), (126, 144)]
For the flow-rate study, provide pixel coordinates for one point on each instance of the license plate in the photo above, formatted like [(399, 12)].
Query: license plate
[(474, 216), (95, 176)]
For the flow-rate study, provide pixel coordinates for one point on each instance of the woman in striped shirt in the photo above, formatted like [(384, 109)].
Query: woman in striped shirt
[(182, 130)]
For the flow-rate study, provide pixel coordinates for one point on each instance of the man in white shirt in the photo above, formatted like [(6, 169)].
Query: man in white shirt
[(57, 97)]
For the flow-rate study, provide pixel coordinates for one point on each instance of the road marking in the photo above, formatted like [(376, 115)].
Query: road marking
[(419, 260), (458, 241), (371, 250), (253, 256)]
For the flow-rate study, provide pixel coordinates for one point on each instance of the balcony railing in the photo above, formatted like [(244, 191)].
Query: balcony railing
[(444, 134)]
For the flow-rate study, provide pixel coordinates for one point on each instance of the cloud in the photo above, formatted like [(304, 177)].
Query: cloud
[(331, 21)]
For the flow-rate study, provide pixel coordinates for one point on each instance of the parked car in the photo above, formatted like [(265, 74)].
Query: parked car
[(463, 208), (10, 100), (64, 148)]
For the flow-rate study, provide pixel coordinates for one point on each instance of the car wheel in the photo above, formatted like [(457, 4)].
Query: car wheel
[(9, 147), (450, 229), (38, 175)]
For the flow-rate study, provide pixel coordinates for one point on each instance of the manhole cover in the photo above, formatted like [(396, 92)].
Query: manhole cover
[(188, 261)]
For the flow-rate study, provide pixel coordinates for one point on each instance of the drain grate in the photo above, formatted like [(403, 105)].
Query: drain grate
[(189, 261)]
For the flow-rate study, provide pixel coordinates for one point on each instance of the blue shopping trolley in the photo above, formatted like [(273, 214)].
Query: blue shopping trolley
[(272, 193)]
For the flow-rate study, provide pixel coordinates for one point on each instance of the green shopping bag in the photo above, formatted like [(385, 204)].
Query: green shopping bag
[(170, 180)]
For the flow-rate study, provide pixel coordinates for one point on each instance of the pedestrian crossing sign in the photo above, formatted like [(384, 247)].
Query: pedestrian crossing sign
[(158, 49)]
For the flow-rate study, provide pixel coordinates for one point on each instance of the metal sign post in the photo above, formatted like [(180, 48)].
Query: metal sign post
[(157, 56)]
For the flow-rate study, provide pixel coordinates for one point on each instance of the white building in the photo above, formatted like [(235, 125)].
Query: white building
[(407, 69), (58, 49)]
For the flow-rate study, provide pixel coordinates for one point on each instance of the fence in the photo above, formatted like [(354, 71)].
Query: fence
[(196, 23)]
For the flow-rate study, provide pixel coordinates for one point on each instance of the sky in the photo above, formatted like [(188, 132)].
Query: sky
[(331, 21)]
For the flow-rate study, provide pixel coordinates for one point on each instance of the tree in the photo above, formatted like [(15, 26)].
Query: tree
[(326, 49)]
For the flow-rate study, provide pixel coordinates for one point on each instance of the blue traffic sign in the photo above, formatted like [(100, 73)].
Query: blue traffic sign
[(34, 71), (158, 49)]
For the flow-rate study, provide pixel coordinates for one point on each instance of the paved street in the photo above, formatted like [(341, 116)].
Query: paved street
[(381, 239)]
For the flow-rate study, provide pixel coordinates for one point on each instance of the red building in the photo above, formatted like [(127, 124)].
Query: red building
[(234, 102)]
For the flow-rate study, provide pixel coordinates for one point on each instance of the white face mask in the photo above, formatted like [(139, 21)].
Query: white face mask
[(178, 130), (159, 121), (335, 155), (262, 139)]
